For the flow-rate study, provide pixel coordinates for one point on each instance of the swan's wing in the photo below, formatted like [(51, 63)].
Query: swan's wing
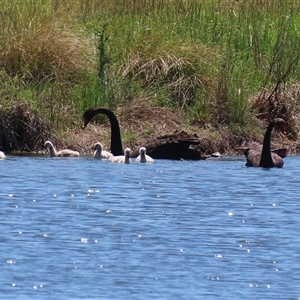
[(253, 157), (68, 152), (149, 159), (117, 159), (278, 161), (282, 152), (106, 154)]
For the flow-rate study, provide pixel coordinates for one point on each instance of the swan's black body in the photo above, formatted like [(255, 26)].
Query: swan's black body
[(261, 155)]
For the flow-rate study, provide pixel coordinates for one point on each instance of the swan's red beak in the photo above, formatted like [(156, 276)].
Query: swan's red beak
[(283, 128), (85, 122)]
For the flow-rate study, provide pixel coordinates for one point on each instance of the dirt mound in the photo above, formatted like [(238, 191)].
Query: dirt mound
[(22, 130)]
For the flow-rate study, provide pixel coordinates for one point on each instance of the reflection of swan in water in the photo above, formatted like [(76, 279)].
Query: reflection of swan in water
[(173, 146), (261, 155), (122, 159), (2, 155), (99, 153), (62, 153), (143, 157)]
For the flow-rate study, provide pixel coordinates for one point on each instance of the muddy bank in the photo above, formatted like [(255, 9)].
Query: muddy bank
[(23, 130)]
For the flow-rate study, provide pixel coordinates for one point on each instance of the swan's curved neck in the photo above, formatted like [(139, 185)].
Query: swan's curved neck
[(116, 142), (127, 158), (52, 151), (266, 160)]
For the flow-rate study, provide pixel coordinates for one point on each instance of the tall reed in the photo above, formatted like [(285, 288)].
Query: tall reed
[(206, 57)]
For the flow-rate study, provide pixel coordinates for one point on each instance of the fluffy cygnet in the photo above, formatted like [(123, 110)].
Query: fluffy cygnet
[(99, 153), (123, 159), (62, 153), (143, 157)]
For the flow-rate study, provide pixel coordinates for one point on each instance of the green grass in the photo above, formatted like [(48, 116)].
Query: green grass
[(205, 57)]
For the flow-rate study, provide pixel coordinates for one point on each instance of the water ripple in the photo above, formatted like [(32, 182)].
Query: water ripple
[(209, 229)]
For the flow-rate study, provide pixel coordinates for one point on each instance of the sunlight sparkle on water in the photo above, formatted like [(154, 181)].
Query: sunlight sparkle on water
[(181, 211), (213, 278), (11, 262)]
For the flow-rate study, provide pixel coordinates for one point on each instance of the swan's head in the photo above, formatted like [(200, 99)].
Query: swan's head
[(48, 145), (142, 151), (88, 116), (279, 124), (98, 146)]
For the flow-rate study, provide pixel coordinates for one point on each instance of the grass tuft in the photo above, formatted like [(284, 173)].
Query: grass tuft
[(47, 53), (181, 71)]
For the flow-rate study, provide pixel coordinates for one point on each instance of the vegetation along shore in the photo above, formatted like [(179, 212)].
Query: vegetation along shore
[(220, 70)]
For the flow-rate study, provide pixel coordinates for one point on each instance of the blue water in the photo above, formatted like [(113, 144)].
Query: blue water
[(79, 228)]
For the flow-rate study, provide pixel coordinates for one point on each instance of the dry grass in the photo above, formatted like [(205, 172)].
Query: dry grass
[(283, 103), (22, 130), (179, 70), (48, 52)]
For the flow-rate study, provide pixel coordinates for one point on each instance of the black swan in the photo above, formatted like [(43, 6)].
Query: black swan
[(62, 153), (123, 159), (99, 153), (261, 155), (174, 146), (143, 157)]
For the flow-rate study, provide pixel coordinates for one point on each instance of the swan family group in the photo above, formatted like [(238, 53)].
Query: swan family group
[(257, 155), (99, 153)]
